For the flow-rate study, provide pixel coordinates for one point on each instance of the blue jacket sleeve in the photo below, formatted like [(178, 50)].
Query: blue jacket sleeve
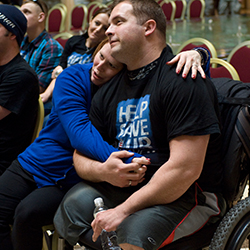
[(205, 55), (71, 100)]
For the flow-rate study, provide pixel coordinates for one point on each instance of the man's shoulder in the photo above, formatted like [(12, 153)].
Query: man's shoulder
[(47, 41), (20, 67)]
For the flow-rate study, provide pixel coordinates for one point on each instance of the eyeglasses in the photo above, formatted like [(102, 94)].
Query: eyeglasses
[(39, 4)]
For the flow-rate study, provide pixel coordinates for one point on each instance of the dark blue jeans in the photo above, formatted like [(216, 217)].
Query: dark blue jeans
[(25, 207)]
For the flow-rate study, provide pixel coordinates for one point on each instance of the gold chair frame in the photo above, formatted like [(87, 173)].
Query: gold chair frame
[(217, 61), (199, 41), (39, 119), (85, 22)]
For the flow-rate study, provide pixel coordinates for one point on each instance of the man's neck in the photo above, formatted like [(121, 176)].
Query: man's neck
[(8, 56), (33, 34), (145, 58)]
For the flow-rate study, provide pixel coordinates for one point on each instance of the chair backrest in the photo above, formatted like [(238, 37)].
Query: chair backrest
[(39, 119), (92, 8), (78, 18), (63, 37), (109, 3), (196, 9), (222, 68), (56, 19), (239, 57), (181, 6), (198, 42), (61, 5), (169, 9)]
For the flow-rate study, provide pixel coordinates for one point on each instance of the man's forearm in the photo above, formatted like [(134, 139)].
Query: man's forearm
[(170, 181), (4, 112), (88, 169), (174, 177), (113, 170)]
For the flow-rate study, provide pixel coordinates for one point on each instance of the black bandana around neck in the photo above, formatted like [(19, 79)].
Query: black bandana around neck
[(141, 73)]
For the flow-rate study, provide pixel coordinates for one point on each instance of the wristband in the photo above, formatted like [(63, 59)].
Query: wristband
[(205, 59)]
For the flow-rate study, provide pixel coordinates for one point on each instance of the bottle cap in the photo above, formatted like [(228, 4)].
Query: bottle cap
[(98, 201)]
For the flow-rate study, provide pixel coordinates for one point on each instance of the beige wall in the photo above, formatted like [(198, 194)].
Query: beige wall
[(69, 4)]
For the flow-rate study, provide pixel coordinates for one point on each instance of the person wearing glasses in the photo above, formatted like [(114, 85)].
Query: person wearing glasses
[(38, 48)]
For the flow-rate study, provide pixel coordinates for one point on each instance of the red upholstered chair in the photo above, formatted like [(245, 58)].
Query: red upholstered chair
[(62, 38), (222, 68), (169, 9), (78, 18), (56, 19), (239, 57), (62, 5), (92, 8), (198, 42), (195, 9), (181, 6)]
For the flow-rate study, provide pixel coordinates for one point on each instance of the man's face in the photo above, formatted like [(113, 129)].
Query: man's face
[(124, 32), (4, 38), (31, 12)]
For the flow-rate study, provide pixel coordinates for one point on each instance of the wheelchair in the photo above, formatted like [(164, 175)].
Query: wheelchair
[(231, 233)]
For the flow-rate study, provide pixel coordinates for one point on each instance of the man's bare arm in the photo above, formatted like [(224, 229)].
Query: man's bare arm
[(113, 171), (4, 112), (172, 179)]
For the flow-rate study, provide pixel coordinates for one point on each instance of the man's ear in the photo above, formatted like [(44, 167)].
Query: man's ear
[(149, 27), (41, 17), (12, 36)]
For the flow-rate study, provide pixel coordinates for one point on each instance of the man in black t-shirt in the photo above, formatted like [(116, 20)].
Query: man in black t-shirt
[(19, 89), (148, 109)]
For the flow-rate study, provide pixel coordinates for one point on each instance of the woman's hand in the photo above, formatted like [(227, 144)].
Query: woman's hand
[(44, 97), (57, 70), (189, 60)]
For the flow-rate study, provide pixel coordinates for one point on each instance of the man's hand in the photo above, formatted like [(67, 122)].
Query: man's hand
[(122, 175), (113, 170), (188, 59), (108, 220)]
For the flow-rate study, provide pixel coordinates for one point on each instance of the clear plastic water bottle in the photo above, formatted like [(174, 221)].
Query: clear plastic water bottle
[(108, 239)]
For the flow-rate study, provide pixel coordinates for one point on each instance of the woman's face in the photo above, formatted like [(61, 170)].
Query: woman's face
[(104, 66), (97, 27)]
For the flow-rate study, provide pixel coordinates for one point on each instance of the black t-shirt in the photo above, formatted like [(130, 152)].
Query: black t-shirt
[(76, 48), (148, 112), (19, 92)]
